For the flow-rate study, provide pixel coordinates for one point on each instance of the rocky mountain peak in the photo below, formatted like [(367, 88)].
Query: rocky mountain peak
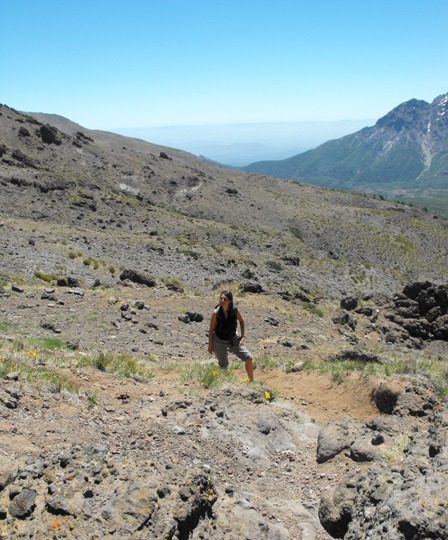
[(412, 115)]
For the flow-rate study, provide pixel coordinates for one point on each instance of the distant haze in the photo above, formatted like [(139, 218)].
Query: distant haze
[(243, 144)]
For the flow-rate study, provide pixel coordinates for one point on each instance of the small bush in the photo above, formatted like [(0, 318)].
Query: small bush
[(274, 265), (313, 309), (207, 375), (45, 277)]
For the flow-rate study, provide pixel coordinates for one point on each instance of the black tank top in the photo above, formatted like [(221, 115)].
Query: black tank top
[(225, 328)]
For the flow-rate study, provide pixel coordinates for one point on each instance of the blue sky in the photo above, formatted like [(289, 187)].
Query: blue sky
[(140, 63)]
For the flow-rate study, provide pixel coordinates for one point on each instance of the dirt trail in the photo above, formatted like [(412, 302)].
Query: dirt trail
[(321, 397)]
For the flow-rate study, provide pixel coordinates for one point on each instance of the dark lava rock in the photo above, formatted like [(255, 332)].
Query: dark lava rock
[(355, 354), (349, 303), (23, 158), (23, 132), (252, 287), (195, 316), (175, 288), (50, 326), (138, 277), (385, 398), (50, 135), (17, 288), (344, 318), (417, 399), (412, 290), (23, 505), (335, 510), (440, 328)]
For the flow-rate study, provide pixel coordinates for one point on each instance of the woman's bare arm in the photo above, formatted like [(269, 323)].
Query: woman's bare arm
[(210, 332)]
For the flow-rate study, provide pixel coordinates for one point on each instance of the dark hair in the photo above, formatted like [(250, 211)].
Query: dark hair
[(229, 295)]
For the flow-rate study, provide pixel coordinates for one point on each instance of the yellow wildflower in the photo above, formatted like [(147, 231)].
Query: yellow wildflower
[(267, 395)]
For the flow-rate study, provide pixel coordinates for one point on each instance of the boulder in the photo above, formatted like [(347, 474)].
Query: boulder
[(175, 288), (195, 316), (349, 303), (412, 290), (434, 314), (25, 159), (355, 354), (50, 135), (23, 132), (417, 399), (440, 328), (426, 301), (138, 277), (417, 327), (441, 295), (335, 510), (344, 318), (23, 504), (252, 287), (333, 439)]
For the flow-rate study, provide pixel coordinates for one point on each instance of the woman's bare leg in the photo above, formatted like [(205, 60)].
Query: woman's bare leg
[(249, 369)]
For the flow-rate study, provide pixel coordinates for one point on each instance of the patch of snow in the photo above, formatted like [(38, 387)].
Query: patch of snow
[(130, 189), (184, 192)]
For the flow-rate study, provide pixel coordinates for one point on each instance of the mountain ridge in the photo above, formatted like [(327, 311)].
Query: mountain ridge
[(405, 154)]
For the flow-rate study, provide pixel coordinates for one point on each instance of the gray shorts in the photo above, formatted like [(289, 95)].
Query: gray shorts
[(221, 348)]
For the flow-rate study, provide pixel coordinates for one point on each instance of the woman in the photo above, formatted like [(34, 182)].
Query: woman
[(223, 336)]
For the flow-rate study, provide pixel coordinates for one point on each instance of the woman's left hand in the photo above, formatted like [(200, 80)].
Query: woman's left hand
[(242, 340)]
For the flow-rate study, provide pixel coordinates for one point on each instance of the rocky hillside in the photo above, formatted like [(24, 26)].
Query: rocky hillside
[(114, 421), (403, 156), (116, 202)]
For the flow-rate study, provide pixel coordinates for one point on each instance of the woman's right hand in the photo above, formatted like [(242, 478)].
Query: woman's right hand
[(210, 349)]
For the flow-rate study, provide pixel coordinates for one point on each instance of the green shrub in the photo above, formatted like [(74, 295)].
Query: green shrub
[(296, 232), (313, 309), (274, 265), (45, 277)]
